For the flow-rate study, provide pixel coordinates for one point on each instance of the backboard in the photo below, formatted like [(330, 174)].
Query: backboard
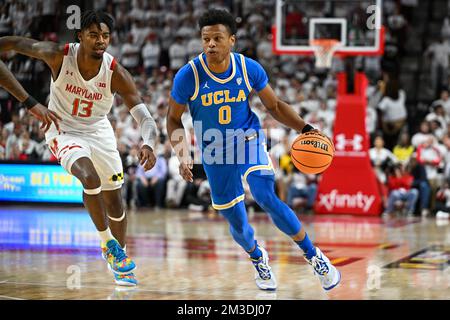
[(356, 24)]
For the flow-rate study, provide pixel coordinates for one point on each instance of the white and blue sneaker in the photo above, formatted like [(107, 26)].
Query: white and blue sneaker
[(125, 280), (264, 277), (328, 275), (122, 279)]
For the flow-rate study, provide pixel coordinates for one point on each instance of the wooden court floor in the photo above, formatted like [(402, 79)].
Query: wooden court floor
[(53, 253)]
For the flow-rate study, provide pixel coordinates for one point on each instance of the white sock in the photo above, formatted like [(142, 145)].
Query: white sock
[(106, 235), (125, 248)]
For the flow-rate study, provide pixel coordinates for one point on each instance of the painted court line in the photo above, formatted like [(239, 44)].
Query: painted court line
[(10, 298), (108, 288)]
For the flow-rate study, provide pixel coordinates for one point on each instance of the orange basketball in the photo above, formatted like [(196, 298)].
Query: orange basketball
[(312, 152)]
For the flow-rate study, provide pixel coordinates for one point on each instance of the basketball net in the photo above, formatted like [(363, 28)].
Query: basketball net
[(324, 50)]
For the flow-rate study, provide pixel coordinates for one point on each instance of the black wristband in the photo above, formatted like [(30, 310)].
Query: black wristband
[(30, 102), (307, 128)]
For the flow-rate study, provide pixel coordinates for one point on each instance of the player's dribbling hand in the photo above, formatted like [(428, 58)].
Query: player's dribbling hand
[(46, 116), (186, 169), (147, 158)]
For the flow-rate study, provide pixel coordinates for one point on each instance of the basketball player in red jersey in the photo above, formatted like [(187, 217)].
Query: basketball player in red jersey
[(84, 81)]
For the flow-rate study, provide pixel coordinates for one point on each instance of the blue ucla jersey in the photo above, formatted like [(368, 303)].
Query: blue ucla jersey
[(219, 104), (219, 101)]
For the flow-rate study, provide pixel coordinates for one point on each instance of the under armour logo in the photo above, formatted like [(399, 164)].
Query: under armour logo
[(206, 85), (239, 81), (355, 142), (69, 72)]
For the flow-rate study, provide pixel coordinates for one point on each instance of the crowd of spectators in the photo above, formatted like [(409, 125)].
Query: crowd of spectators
[(153, 39)]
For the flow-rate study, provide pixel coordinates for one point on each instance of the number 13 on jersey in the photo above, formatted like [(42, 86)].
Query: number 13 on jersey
[(86, 108)]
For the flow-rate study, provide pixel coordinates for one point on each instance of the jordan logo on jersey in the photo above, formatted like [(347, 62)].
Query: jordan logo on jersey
[(206, 85), (239, 81), (69, 72)]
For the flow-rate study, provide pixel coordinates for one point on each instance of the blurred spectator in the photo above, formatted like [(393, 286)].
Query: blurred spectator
[(398, 26), (130, 54), (194, 197), (177, 54), (176, 185), (443, 100), (114, 49), (140, 32), (132, 135), (26, 146), (161, 118), (394, 114), (382, 159), (443, 201), (437, 112), (445, 30), (12, 150), (438, 53), (327, 115), (280, 153), (302, 190), (429, 155), (130, 184), (420, 183), (5, 21), (137, 13), (194, 47), (264, 51), (20, 20), (151, 184), (423, 135), (400, 189), (404, 149), (150, 53), (437, 129), (294, 25)]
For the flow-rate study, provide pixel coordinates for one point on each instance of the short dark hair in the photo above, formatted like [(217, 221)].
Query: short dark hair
[(91, 17), (218, 16)]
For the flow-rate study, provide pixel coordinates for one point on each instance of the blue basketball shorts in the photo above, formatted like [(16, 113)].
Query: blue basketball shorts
[(226, 179)]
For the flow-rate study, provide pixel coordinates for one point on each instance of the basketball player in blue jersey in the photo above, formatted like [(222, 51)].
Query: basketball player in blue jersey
[(216, 86)]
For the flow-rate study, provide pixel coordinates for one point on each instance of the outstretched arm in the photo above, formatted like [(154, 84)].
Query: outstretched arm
[(50, 52), (40, 112), (123, 84), (11, 84)]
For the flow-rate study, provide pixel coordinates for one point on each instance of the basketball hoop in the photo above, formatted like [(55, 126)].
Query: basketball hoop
[(324, 50)]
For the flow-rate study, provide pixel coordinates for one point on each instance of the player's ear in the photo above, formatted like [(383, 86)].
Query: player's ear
[(232, 40)]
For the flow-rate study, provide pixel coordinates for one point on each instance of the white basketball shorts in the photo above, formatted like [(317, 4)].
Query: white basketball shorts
[(100, 147)]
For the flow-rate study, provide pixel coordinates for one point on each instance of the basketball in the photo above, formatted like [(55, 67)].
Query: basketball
[(312, 152)]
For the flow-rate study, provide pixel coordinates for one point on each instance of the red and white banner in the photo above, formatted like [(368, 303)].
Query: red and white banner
[(349, 185)]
